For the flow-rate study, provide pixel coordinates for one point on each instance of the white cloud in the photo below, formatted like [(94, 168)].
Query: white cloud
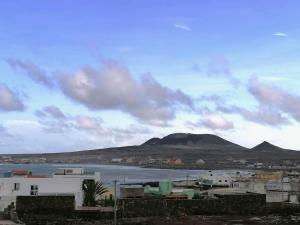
[(182, 27), (88, 123), (21, 123), (113, 87), (280, 34), (263, 115), (212, 122), (216, 122), (275, 98)]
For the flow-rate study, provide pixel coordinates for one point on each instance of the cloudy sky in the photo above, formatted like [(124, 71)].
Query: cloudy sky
[(90, 74)]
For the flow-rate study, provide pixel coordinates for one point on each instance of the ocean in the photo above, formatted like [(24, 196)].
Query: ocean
[(109, 173)]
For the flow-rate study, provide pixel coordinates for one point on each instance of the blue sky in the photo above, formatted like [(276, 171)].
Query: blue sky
[(91, 74)]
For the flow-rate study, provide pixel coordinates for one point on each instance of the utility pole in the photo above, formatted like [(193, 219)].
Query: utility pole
[(115, 203)]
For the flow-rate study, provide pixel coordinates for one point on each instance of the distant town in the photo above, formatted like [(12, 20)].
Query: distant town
[(72, 195)]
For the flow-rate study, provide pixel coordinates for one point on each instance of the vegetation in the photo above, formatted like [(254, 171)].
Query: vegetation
[(197, 196), (92, 191)]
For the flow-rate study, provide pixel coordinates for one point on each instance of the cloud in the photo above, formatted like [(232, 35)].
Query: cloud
[(264, 115), (113, 87), (182, 26), (88, 123), (219, 67), (216, 122), (9, 100), (280, 34), (96, 129), (31, 70), (52, 111), (4, 133), (213, 122), (275, 98), (211, 98), (53, 120), (91, 128)]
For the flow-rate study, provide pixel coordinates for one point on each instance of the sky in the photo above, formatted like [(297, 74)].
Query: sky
[(87, 74)]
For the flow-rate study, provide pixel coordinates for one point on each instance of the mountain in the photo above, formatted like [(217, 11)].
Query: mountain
[(213, 151), (188, 140), (152, 141), (267, 147)]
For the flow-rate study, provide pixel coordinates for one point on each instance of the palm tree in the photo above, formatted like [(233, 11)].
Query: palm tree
[(92, 191)]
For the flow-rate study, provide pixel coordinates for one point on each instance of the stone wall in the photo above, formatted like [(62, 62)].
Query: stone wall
[(228, 204), (281, 208), (59, 205), (38, 210)]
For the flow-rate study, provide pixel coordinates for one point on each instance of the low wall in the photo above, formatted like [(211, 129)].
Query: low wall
[(64, 205), (41, 210), (229, 205), (38, 210), (282, 208)]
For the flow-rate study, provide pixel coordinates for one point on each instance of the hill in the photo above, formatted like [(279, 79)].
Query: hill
[(268, 147), (189, 140), (178, 150)]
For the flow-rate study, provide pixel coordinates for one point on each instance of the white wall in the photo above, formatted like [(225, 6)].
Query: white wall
[(56, 185), (277, 196), (218, 179), (253, 186)]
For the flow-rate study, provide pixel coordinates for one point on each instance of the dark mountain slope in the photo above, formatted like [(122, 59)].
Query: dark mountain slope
[(215, 151), (266, 146), (189, 140)]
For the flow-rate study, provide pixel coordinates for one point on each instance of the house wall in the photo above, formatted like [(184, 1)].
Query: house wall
[(56, 185), (277, 196), (218, 179), (278, 186), (253, 186)]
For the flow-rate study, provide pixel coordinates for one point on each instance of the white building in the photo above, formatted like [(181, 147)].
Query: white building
[(65, 181), (212, 179), (253, 186), (282, 189)]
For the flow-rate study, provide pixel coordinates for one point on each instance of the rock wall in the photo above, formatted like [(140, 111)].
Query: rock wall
[(228, 205), (38, 210)]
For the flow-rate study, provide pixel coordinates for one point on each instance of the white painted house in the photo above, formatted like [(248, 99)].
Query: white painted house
[(215, 179), (65, 181)]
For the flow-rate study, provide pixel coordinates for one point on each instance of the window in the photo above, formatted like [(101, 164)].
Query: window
[(220, 181), (225, 181), (16, 186), (34, 190)]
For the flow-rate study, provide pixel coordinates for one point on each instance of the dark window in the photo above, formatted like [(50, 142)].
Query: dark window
[(16, 186), (34, 189)]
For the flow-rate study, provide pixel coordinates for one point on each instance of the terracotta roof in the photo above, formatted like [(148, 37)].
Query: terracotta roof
[(37, 176), (20, 172)]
